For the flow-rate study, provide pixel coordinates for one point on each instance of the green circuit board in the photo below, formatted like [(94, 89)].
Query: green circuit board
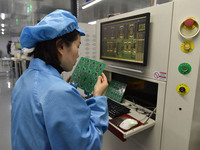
[(116, 90), (86, 73)]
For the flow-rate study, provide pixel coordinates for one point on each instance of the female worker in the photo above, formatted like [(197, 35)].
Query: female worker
[(47, 112)]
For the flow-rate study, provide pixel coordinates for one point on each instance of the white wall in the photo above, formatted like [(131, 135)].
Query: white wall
[(3, 43)]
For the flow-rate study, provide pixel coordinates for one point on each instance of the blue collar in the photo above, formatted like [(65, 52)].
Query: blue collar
[(40, 65)]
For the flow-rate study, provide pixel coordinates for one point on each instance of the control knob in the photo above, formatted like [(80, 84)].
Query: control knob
[(182, 89)]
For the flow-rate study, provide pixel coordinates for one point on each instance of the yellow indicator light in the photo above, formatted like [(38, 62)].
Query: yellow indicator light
[(187, 46)]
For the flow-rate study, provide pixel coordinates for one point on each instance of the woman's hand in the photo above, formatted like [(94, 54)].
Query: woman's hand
[(101, 85)]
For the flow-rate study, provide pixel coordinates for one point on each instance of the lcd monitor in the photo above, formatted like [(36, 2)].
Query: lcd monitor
[(125, 39)]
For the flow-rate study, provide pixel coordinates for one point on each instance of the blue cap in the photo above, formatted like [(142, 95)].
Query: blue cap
[(55, 24)]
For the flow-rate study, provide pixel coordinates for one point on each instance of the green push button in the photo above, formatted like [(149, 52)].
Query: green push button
[(184, 68)]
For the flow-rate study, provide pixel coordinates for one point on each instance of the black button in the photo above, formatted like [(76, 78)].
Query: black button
[(182, 89)]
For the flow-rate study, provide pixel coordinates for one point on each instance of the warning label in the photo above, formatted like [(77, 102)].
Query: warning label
[(162, 76)]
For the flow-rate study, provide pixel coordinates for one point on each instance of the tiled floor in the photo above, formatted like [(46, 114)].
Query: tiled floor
[(6, 86)]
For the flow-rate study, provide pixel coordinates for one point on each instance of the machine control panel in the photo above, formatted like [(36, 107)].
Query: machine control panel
[(188, 29)]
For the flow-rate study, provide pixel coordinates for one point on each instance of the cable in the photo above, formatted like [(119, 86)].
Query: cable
[(150, 116)]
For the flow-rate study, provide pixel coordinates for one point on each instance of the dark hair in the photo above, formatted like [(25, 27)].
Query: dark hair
[(47, 50)]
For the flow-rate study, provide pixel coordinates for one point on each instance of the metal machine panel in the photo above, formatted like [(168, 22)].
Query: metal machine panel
[(159, 41), (173, 54), (158, 55), (181, 124)]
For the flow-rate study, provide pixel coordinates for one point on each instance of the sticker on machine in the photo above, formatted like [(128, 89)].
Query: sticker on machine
[(162, 76)]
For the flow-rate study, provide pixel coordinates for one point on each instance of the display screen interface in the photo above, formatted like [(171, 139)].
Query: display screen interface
[(126, 39)]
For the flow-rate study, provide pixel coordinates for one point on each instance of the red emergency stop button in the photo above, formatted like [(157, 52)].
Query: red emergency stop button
[(189, 28), (189, 22)]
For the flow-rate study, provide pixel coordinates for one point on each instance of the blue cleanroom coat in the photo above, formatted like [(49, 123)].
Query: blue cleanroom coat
[(50, 114)]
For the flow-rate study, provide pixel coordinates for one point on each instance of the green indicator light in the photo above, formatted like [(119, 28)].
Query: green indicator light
[(31, 7), (184, 68), (17, 21)]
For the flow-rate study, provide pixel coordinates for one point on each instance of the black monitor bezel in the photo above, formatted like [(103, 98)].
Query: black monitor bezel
[(147, 15)]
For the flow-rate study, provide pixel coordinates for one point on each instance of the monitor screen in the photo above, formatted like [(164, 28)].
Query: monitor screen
[(141, 92), (126, 39), (18, 46)]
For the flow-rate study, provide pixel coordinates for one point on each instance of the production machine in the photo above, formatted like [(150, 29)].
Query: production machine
[(154, 52)]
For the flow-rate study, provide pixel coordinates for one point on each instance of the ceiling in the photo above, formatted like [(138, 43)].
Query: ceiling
[(107, 7), (21, 13)]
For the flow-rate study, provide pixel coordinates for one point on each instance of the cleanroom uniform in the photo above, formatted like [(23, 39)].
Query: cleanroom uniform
[(50, 114)]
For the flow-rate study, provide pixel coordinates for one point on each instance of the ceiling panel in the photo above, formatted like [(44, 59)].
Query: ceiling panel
[(20, 13)]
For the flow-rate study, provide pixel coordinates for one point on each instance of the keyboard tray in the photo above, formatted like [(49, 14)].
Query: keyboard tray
[(143, 124), (116, 109)]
